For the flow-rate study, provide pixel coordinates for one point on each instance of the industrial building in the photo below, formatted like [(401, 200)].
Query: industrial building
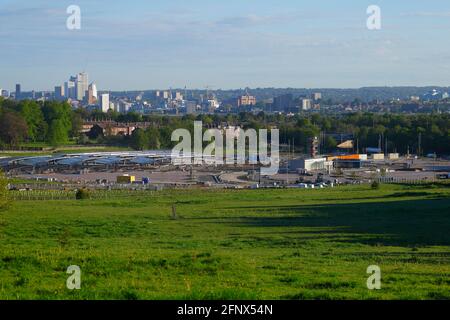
[(315, 164)]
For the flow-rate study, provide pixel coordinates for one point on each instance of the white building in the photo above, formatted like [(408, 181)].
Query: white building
[(104, 102), (81, 85), (310, 164), (306, 104), (213, 103), (93, 87), (124, 106), (166, 95)]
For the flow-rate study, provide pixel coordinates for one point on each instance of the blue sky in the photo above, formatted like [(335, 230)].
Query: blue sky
[(139, 44)]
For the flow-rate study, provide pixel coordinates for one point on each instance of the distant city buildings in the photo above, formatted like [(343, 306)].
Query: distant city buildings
[(79, 94), (76, 88), (246, 100), (163, 95), (435, 95)]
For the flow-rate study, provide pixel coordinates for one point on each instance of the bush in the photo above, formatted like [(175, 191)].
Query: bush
[(83, 194), (375, 185)]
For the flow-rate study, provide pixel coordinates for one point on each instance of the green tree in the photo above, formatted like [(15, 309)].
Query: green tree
[(57, 133), (32, 114), (13, 128), (154, 139), (58, 116), (77, 125), (330, 143), (139, 140)]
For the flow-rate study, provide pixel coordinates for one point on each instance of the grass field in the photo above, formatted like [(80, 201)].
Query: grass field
[(68, 149), (236, 244)]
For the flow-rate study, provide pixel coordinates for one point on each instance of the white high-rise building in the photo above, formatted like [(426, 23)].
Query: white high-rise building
[(92, 96), (82, 85), (93, 87), (306, 104), (104, 102)]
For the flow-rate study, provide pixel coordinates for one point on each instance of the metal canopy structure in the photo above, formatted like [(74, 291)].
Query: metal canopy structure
[(87, 160)]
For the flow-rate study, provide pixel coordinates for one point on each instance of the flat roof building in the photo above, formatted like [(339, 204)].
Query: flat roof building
[(246, 100)]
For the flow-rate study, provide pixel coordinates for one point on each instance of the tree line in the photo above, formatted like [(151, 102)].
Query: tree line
[(55, 123), (416, 133), (30, 121)]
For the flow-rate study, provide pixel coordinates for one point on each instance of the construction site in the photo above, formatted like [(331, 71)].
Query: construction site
[(155, 170)]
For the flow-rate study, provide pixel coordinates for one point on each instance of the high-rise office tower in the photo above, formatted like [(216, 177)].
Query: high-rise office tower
[(59, 93), (70, 88), (93, 86), (81, 85), (18, 91), (92, 94)]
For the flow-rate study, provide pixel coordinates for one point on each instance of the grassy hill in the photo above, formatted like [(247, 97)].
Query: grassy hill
[(232, 244)]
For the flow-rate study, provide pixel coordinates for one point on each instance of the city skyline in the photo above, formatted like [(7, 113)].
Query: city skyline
[(232, 45)]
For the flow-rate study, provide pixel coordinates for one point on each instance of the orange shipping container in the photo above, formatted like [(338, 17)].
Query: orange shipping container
[(349, 157)]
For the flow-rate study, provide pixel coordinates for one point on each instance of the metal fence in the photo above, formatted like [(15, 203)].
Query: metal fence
[(397, 180), (48, 195)]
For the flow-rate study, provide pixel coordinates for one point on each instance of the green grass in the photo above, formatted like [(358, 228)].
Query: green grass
[(235, 244), (63, 150)]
